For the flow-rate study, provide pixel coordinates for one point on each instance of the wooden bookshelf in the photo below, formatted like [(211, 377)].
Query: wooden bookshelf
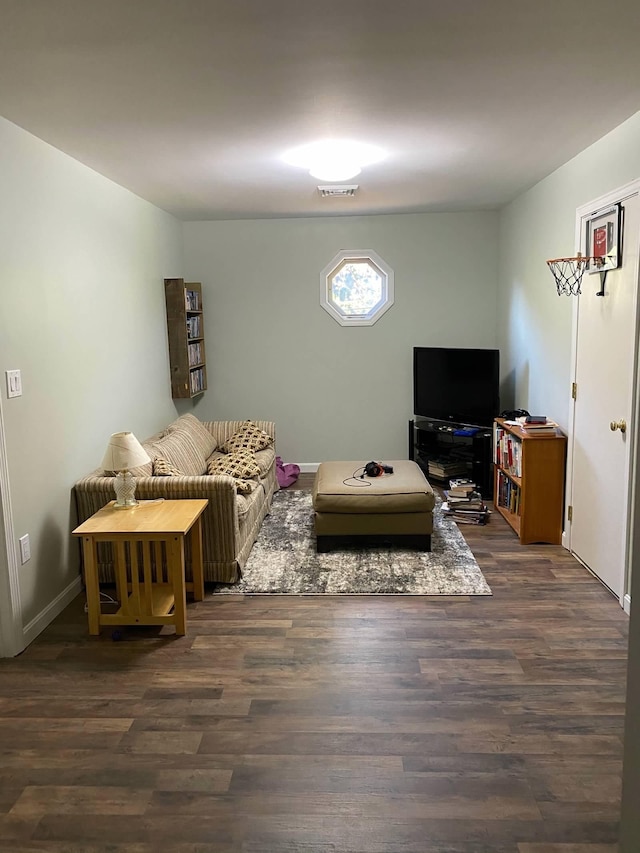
[(529, 475), (185, 329)]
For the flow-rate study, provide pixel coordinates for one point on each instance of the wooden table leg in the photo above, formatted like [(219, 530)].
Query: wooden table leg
[(120, 569), (89, 550), (197, 568), (176, 563)]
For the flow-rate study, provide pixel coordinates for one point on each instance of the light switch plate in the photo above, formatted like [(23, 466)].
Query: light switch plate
[(25, 548), (14, 383)]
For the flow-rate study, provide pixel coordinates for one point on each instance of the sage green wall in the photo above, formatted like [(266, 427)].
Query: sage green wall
[(81, 277), (273, 352), (535, 339), (534, 323)]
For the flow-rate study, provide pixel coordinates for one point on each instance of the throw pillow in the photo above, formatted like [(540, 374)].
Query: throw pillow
[(163, 468), (248, 437), (244, 487), (240, 463)]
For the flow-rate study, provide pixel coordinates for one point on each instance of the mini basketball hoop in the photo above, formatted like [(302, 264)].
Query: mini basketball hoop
[(568, 272)]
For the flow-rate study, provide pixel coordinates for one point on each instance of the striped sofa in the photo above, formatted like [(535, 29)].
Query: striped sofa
[(231, 521)]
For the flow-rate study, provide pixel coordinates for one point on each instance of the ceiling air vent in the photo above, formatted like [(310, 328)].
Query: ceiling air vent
[(337, 190)]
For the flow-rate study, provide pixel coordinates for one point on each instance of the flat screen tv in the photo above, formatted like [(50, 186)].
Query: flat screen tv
[(457, 385)]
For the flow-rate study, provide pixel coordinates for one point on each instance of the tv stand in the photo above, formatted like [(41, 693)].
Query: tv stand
[(445, 444)]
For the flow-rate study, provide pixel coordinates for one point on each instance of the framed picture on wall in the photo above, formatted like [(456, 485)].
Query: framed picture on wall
[(603, 239)]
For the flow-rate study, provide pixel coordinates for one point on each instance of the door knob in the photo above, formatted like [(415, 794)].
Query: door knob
[(621, 425)]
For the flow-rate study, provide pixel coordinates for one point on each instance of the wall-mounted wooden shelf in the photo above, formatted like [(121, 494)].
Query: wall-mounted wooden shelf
[(185, 329)]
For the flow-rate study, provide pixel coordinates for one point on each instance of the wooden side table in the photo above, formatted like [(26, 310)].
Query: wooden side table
[(149, 554)]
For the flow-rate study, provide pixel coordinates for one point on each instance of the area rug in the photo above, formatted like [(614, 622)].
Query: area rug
[(284, 560)]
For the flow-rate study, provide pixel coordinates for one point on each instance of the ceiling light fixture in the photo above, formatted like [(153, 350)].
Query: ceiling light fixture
[(334, 159), (337, 190)]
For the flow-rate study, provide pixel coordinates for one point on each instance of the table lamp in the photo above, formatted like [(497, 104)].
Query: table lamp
[(124, 452)]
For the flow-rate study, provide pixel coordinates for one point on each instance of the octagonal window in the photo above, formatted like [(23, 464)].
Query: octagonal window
[(356, 288)]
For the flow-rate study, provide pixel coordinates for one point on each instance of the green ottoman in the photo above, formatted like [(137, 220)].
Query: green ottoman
[(394, 508)]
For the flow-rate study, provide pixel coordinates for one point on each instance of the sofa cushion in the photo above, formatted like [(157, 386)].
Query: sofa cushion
[(243, 503), (163, 468), (246, 503), (200, 435), (182, 451), (265, 459), (248, 437)]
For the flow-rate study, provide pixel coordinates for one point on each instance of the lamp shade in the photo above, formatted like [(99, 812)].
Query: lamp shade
[(124, 452)]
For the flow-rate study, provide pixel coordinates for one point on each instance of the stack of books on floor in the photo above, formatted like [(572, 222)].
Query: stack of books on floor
[(464, 503)]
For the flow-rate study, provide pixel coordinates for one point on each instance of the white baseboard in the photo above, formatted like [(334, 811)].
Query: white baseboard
[(626, 604), (53, 609), (308, 467)]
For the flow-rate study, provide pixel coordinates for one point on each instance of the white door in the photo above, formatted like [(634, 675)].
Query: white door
[(604, 373), (11, 633)]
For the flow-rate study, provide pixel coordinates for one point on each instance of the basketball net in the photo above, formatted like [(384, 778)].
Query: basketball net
[(568, 273)]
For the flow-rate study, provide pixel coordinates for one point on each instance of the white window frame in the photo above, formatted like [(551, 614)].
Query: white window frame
[(357, 256)]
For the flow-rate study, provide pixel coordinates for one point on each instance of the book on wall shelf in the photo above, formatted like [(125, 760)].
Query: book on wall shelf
[(192, 300)]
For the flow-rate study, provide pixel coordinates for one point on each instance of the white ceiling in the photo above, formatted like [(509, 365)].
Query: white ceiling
[(191, 103)]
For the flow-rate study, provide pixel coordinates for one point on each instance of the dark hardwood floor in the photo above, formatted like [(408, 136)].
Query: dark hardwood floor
[(329, 724)]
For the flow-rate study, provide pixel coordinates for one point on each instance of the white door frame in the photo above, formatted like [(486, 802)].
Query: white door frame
[(607, 200), (12, 640)]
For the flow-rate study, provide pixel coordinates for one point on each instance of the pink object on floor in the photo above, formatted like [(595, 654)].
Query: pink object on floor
[(286, 473)]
